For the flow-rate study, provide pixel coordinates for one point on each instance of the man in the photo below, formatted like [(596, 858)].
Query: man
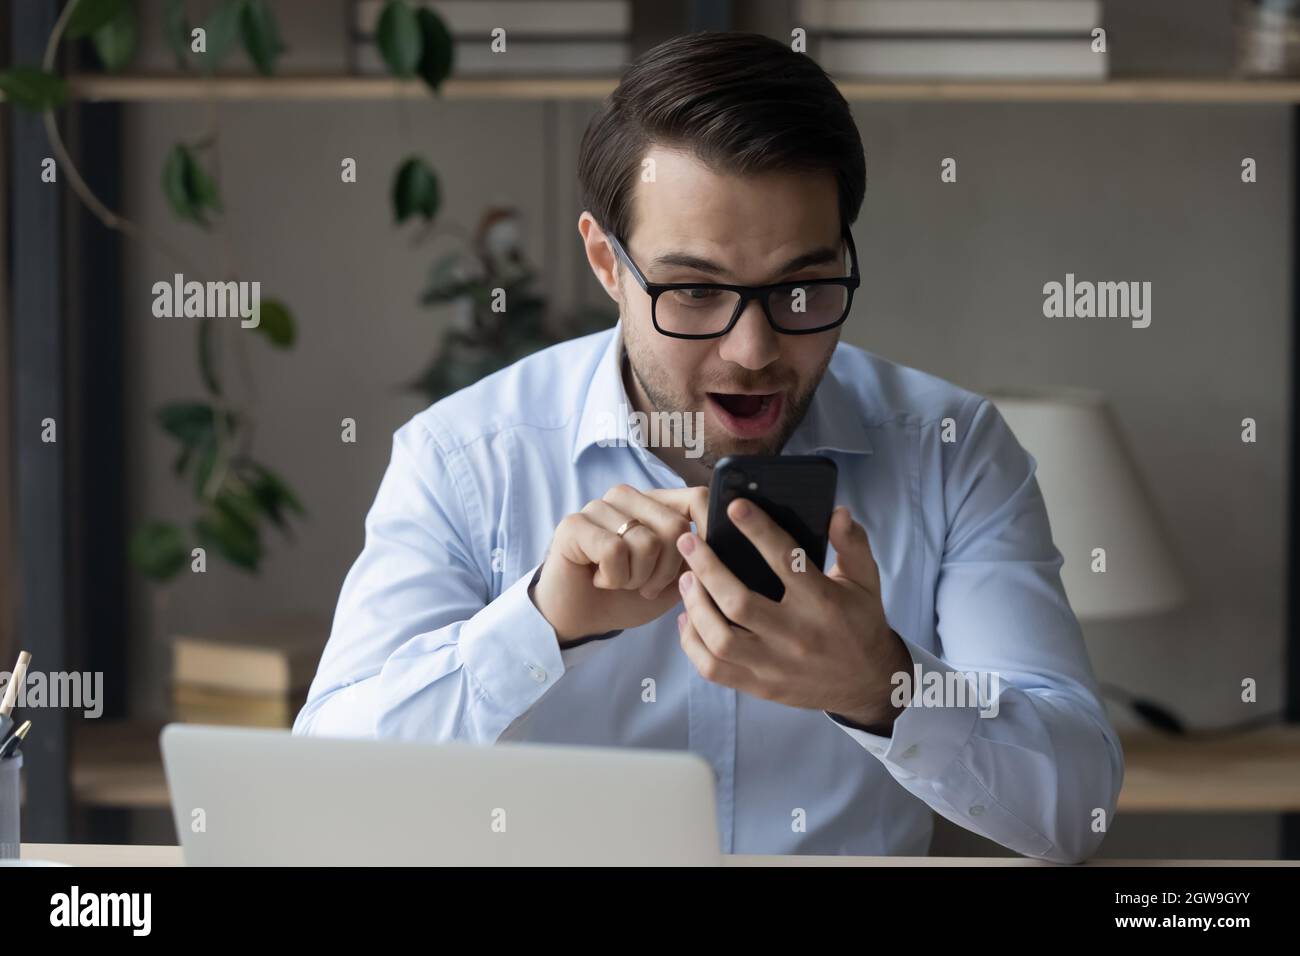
[(526, 578)]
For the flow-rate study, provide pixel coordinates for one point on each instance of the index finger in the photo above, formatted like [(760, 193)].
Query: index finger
[(690, 503)]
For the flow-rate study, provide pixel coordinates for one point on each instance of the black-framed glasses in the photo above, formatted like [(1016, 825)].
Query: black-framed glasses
[(706, 310)]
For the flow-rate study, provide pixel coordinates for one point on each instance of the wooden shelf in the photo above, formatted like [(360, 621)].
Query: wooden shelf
[(117, 764), (329, 88), (95, 87), (1257, 772)]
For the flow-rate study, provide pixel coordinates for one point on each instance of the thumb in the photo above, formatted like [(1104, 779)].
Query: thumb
[(853, 558)]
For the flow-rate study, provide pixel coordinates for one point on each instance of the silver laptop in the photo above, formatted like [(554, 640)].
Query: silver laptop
[(264, 797)]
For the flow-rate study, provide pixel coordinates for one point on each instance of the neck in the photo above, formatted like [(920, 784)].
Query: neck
[(692, 471)]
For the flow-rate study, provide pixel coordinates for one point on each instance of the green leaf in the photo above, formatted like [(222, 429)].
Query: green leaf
[(193, 425), (90, 15), (158, 549), (240, 507), (204, 464), (32, 89), (397, 34), (437, 52), (231, 538), (222, 27), (415, 190), (261, 35), (174, 183), (189, 422), (115, 41), (202, 186), (276, 323), (190, 191), (271, 495), (176, 30)]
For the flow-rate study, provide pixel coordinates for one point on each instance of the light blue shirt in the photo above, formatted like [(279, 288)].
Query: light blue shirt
[(436, 639)]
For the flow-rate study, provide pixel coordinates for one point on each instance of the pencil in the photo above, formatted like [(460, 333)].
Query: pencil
[(11, 692)]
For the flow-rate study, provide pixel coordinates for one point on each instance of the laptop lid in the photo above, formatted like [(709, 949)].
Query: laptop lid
[(264, 797)]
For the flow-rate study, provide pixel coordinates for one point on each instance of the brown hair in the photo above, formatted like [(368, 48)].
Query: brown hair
[(741, 102)]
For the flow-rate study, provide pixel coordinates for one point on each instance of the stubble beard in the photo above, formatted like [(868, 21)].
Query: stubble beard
[(718, 446)]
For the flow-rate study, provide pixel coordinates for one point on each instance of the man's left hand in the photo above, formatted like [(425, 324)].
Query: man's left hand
[(824, 645)]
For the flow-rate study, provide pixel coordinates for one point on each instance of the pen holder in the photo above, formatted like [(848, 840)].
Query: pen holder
[(10, 797)]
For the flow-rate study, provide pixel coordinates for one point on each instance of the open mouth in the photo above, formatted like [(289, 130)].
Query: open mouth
[(747, 416)]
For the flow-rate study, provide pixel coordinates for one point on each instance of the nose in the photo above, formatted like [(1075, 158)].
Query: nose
[(752, 342)]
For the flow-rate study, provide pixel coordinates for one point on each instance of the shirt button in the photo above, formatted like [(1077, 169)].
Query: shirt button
[(976, 810), (909, 752), (539, 673)]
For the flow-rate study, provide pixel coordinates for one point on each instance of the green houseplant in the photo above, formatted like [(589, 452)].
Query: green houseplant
[(499, 317), (235, 496), (489, 282)]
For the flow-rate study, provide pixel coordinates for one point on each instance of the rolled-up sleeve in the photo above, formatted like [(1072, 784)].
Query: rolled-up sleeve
[(417, 649), (1035, 766)]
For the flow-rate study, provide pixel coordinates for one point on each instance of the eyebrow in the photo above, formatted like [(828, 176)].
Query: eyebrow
[(685, 260)]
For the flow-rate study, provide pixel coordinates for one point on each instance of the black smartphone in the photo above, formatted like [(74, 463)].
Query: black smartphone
[(798, 491)]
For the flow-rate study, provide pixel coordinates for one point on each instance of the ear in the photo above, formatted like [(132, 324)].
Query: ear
[(600, 255)]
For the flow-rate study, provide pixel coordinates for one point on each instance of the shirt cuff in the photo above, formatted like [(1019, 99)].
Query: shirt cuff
[(924, 740), (573, 651), (511, 652)]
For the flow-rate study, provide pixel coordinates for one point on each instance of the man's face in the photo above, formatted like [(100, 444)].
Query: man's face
[(692, 224)]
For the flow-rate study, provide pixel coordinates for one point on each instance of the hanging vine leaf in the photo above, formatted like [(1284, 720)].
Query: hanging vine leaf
[(190, 191), (270, 493), (397, 35), (415, 190), (176, 30), (222, 29), (261, 35), (205, 462), (437, 49), (276, 323), (32, 89), (193, 423), (115, 41), (90, 15), (231, 538), (158, 549), (239, 507), (187, 422)]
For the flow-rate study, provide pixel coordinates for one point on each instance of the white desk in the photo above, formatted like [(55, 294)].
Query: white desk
[(89, 854)]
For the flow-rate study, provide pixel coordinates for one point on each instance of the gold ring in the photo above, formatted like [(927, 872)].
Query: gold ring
[(626, 526)]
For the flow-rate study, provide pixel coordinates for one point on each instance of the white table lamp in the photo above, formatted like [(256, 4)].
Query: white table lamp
[(1095, 499)]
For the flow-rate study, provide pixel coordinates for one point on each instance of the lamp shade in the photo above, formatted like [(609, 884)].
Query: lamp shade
[(1095, 499)]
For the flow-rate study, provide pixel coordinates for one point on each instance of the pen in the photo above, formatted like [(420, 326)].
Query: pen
[(11, 692), (10, 745)]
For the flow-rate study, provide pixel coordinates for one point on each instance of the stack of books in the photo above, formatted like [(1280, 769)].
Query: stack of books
[(251, 677), (955, 39), (562, 37)]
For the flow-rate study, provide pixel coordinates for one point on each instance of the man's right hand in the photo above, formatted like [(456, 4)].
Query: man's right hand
[(593, 581)]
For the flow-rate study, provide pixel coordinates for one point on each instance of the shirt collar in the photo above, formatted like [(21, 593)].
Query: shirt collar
[(833, 421)]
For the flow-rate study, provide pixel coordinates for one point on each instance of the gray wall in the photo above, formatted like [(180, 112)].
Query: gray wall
[(953, 277)]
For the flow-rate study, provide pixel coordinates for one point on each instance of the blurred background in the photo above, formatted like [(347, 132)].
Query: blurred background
[(129, 439)]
